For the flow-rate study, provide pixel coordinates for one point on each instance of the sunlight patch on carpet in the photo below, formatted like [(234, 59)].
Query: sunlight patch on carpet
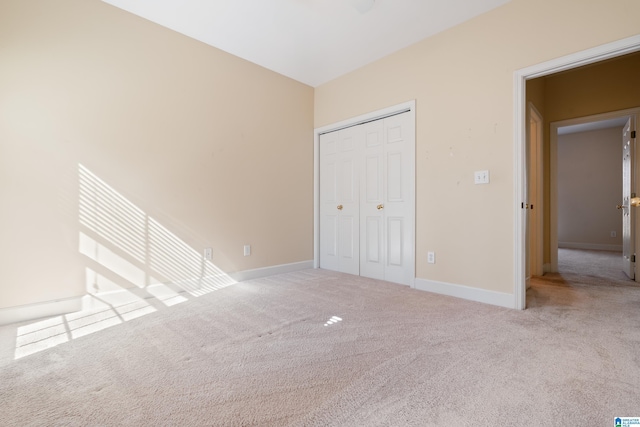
[(97, 314), (333, 321)]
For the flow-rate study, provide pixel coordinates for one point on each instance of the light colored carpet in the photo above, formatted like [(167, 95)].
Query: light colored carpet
[(316, 348)]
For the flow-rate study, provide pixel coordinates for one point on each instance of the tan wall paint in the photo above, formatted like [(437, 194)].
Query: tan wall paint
[(589, 187), (215, 149), (602, 87), (536, 93), (462, 80)]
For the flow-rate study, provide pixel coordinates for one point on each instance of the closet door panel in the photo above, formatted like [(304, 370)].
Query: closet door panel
[(371, 202), (398, 173)]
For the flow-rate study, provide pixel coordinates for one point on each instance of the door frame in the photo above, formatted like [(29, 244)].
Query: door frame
[(537, 147), (567, 62), (410, 107), (634, 113)]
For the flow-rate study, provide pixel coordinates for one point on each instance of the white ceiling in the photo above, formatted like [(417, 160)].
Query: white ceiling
[(312, 41)]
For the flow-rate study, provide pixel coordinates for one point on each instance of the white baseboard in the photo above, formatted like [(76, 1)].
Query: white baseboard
[(590, 246), (257, 273), (22, 313), (466, 292), (39, 310)]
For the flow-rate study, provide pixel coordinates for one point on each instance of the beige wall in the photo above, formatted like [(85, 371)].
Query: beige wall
[(185, 146), (463, 82), (193, 147), (589, 188)]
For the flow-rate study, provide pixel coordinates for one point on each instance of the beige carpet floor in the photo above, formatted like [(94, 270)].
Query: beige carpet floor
[(316, 348)]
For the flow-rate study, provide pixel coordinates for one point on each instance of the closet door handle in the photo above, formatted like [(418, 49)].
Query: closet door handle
[(380, 207), (339, 207)]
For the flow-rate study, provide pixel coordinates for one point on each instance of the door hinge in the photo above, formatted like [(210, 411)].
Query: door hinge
[(633, 258), (633, 134)]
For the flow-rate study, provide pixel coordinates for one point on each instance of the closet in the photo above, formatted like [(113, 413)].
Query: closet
[(366, 191)]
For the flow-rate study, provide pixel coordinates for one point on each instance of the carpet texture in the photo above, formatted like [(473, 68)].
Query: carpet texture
[(317, 348)]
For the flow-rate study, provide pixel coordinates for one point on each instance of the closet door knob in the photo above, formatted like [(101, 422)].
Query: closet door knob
[(380, 207), (339, 207)]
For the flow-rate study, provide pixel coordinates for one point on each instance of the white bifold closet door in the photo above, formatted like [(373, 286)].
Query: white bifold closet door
[(364, 199)]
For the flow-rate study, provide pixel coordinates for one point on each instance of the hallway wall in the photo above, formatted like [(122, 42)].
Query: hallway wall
[(589, 188)]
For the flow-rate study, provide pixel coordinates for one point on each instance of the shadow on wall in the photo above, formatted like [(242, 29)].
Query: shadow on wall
[(135, 266)]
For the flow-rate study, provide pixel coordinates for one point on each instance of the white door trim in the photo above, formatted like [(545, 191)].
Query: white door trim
[(537, 146), (553, 170), (409, 106), (589, 56)]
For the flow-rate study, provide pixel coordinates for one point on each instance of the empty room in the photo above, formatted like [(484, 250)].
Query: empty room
[(318, 213)]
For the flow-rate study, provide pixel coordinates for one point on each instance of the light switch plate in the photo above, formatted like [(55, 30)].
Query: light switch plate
[(481, 177)]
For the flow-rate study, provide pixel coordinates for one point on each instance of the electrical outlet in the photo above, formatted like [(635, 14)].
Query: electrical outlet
[(431, 257), (208, 254), (247, 250)]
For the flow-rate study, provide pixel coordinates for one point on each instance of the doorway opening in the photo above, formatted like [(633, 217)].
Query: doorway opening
[(587, 57), (588, 177)]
